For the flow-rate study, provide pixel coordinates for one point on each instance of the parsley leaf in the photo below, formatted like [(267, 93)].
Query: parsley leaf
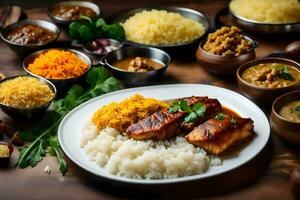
[(220, 116), (197, 111), (175, 107), (233, 120), (190, 117), (297, 108)]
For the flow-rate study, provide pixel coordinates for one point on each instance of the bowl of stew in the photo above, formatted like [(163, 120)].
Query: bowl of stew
[(27, 36), (137, 66), (263, 80), (285, 117), (65, 12)]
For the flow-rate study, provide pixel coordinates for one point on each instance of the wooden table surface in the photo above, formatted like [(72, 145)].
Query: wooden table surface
[(265, 177)]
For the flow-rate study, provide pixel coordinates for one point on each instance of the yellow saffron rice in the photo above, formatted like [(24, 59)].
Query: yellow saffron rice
[(267, 11), (25, 92), (159, 27), (129, 111)]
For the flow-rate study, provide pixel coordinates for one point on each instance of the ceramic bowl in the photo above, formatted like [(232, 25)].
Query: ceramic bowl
[(285, 129), (224, 65), (264, 95)]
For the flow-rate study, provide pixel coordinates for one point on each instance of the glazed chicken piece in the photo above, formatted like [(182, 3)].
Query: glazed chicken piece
[(213, 106), (216, 136), (160, 125)]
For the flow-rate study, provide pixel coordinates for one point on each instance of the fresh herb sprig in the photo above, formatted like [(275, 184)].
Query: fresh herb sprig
[(193, 113), (43, 136), (86, 29), (284, 72), (295, 109)]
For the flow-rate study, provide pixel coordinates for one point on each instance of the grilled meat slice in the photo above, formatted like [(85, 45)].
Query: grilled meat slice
[(216, 136), (213, 106), (160, 125)]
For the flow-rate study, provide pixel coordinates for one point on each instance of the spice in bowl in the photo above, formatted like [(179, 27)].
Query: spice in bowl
[(4, 150), (25, 92), (102, 46), (272, 75), (58, 64), (227, 41)]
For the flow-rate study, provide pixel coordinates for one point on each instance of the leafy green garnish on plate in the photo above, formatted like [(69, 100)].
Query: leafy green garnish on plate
[(233, 120), (284, 72), (42, 137), (192, 113), (220, 116), (86, 29)]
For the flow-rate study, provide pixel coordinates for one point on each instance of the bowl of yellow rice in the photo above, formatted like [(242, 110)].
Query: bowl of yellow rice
[(266, 16), (23, 97), (162, 27)]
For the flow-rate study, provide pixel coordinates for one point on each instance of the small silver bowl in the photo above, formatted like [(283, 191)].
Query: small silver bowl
[(136, 78), (61, 84), (24, 50), (27, 113), (64, 23)]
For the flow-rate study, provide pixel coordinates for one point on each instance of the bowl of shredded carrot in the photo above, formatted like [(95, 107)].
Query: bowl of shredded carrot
[(63, 67)]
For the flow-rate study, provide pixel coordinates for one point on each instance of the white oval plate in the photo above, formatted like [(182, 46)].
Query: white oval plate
[(69, 132)]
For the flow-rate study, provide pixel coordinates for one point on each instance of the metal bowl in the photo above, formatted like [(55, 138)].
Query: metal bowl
[(87, 49), (122, 16), (224, 65), (136, 78), (23, 50), (64, 23), (61, 84), (27, 113), (265, 28)]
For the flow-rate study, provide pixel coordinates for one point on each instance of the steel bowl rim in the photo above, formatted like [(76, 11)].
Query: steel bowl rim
[(254, 43), (34, 55), (47, 82), (134, 47), (63, 20), (164, 8), (241, 70), (29, 21), (122, 43), (255, 22)]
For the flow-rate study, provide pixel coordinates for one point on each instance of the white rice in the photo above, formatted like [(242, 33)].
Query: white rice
[(122, 156)]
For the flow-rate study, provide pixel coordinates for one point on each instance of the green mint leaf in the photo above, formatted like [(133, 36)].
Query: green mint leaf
[(220, 116), (233, 120), (280, 67), (199, 109), (184, 106), (297, 108), (190, 117)]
